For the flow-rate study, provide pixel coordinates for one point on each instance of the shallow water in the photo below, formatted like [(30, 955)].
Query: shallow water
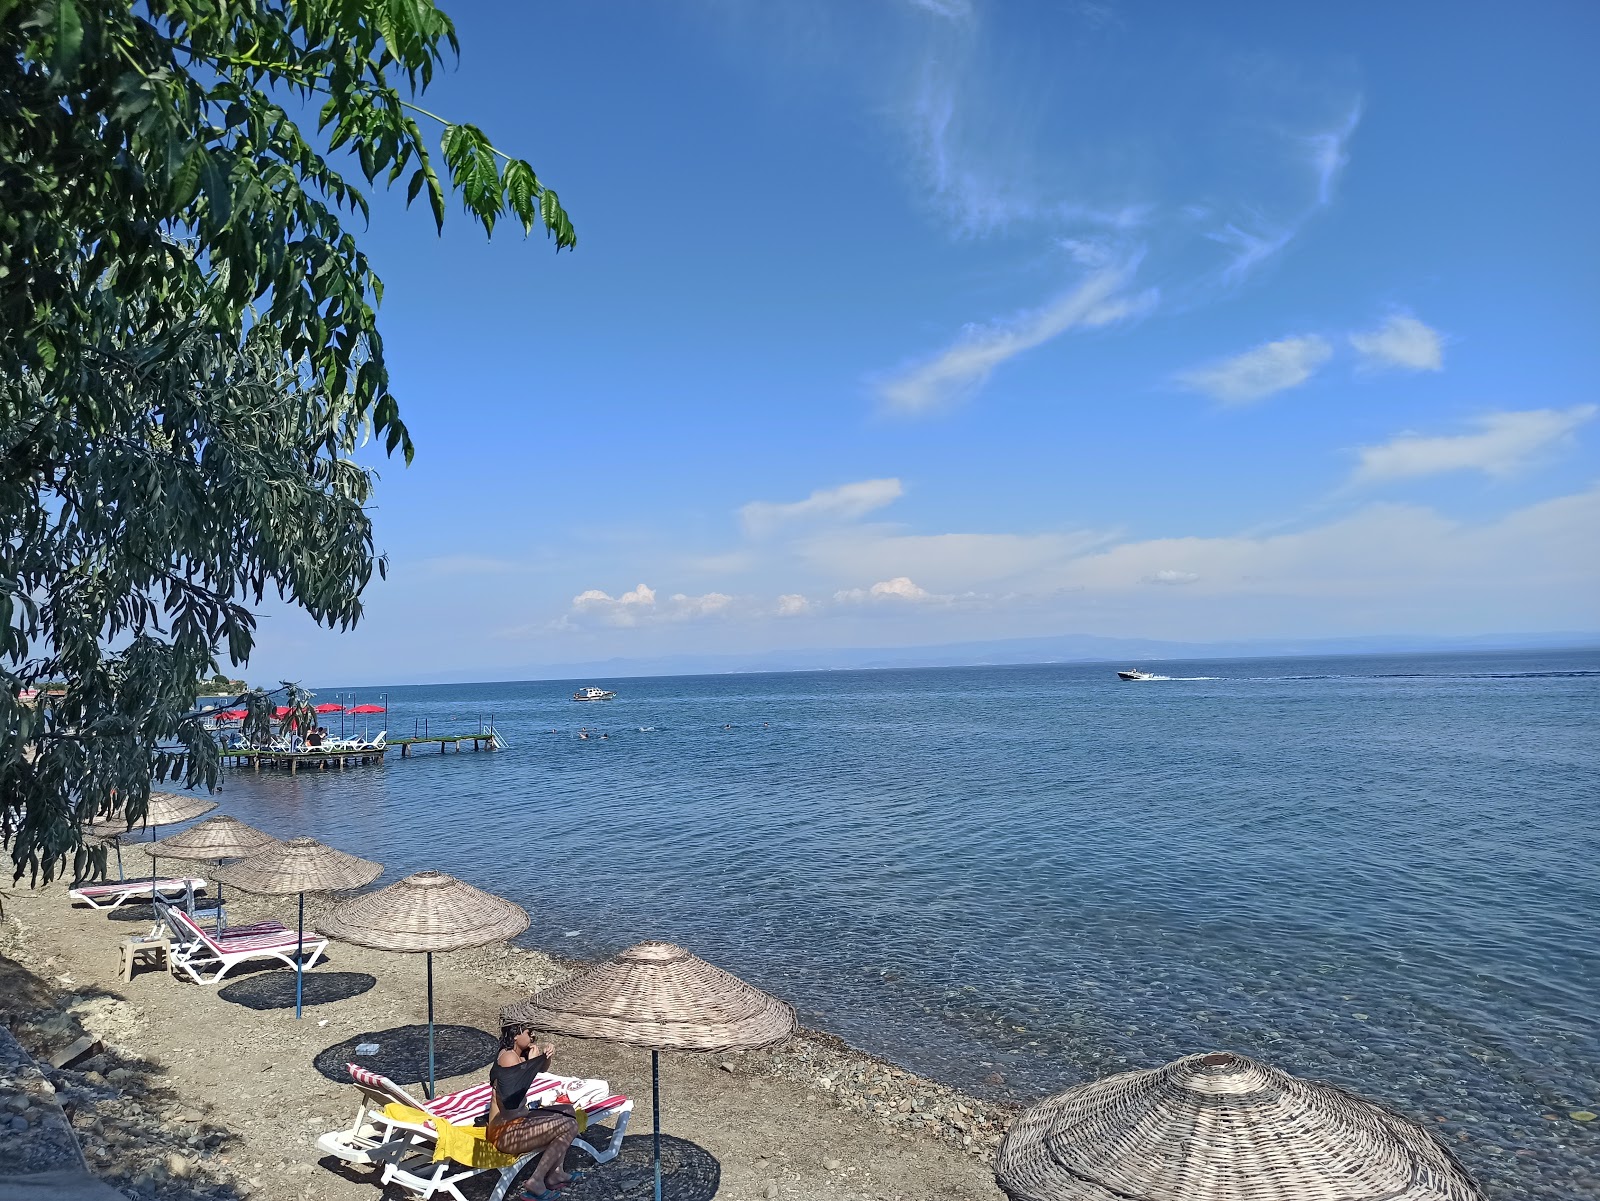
[(1379, 871)]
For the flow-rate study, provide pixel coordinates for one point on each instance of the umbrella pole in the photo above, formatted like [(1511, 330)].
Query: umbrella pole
[(430, 1025), (655, 1113), (120, 876), (300, 960)]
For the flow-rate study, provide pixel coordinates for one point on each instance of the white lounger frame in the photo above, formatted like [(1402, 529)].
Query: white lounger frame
[(197, 951), (115, 895), (404, 1150)]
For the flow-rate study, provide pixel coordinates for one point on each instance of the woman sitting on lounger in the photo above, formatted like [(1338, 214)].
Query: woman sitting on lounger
[(514, 1129)]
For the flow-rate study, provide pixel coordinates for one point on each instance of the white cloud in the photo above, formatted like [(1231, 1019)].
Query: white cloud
[(624, 610), (639, 606), (686, 608), (901, 588), (793, 604), (1168, 576), (846, 502), (964, 366), (1503, 444), (1260, 372), (1401, 341)]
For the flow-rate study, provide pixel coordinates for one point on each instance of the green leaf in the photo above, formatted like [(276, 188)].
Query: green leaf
[(68, 41)]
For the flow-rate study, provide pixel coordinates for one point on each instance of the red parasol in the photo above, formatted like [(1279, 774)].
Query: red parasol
[(281, 711), (232, 715), (368, 709), (330, 708)]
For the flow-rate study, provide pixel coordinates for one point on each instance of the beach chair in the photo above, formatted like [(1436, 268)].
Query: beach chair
[(197, 951), (112, 896), (387, 1134)]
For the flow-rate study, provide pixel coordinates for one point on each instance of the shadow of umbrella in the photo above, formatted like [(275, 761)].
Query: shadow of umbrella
[(276, 989), (402, 1053), (688, 1173)]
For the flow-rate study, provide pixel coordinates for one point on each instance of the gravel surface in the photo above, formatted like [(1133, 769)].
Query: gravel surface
[(204, 1092)]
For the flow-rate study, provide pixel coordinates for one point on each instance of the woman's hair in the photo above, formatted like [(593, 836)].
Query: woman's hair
[(508, 1035)]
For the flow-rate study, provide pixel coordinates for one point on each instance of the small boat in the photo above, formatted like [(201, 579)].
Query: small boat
[(1138, 675), (592, 694)]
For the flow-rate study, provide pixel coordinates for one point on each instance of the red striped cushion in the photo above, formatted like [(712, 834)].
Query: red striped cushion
[(605, 1106), (469, 1102), (368, 1077)]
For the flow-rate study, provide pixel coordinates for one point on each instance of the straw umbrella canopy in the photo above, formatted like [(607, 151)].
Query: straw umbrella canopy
[(426, 912), (658, 995), (163, 809), (300, 865), (1221, 1127), (214, 840)]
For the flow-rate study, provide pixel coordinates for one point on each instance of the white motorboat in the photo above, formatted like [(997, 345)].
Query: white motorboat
[(592, 694), (1138, 675)]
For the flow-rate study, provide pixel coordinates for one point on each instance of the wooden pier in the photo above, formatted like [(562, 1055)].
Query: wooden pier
[(293, 761), (484, 740), (318, 759)]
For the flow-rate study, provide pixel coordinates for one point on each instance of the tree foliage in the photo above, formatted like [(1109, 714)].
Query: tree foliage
[(190, 358)]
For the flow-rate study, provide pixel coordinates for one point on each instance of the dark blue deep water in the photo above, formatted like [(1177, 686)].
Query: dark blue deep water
[(1380, 871)]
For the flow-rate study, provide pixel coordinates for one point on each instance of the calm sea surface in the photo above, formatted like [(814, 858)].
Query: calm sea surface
[(1380, 871)]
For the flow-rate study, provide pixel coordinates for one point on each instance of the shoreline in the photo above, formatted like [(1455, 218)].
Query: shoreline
[(812, 1117)]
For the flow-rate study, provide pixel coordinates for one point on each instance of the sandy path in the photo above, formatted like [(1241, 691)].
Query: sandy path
[(239, 1085)]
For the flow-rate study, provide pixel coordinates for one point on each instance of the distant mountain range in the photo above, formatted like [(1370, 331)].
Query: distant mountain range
[(1066, 648)]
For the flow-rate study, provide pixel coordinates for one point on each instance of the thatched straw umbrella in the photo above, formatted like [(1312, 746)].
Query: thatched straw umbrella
[(427, 912), (213, 840), (1221, 1127), (657, 995), (300, 865), (164, 809)]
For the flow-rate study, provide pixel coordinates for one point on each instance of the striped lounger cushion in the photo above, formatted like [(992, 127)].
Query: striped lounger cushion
[(130, 886), (469, 1106)]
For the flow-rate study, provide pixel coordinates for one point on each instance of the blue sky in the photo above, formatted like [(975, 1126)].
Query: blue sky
[(895, 322)]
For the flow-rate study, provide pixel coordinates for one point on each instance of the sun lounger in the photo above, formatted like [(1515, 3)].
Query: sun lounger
[(198, 950), (405, 1149), (111, 896)]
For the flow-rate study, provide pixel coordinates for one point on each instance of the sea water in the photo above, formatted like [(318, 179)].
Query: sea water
[(1379, 871)]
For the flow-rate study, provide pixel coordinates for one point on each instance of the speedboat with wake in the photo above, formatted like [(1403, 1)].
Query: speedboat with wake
[(1138, 675)]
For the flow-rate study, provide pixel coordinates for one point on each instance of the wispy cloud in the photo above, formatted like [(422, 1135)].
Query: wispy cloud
[(963, 367), (1503, 444), (1258, 240), (1330, 153), (469, 565), (1262, 371), (844, 503), (958, 11), (1401, 341)]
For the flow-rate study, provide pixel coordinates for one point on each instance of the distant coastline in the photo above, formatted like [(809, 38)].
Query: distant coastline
[(1011, 652)]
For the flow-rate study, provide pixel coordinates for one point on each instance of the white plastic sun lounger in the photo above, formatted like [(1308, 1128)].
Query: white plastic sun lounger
[(112, 896), (199, 950), (405, 1150)]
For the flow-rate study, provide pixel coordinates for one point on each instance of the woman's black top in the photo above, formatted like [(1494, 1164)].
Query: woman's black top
[(511, 1084)]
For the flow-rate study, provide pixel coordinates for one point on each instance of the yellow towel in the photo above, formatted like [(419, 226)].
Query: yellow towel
[(467, 1145)]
